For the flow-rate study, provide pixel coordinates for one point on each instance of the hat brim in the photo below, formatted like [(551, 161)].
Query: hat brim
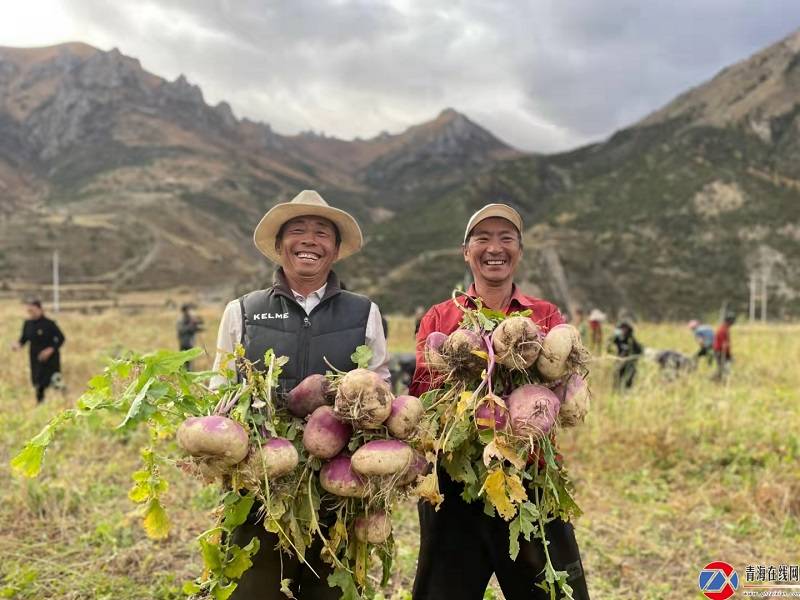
[(267, 229)]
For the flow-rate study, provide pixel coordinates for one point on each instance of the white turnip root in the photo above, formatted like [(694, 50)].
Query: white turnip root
[(380, 458), (338, 477), (559, 352), (459, 353), (418, 466), (516, 342), (214, 437), (325, 435), (275, 458), (491, 414), (575, 400), (533, 410), (308, 395), (404, 418), (363, 399), (374, 528), (434, 360)]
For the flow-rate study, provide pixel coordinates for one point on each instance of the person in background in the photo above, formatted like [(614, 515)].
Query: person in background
[(44, 340), (628, 350), (596, 318), (704, 336), (187, 326), (722, 347)]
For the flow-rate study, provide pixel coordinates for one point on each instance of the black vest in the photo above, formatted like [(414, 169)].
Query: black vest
[(272, 318)]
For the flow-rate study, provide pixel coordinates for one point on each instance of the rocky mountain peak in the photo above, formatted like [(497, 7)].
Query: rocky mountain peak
[(756, 93)]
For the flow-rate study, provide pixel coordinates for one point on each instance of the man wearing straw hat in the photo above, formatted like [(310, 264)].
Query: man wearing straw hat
[(306, 316)]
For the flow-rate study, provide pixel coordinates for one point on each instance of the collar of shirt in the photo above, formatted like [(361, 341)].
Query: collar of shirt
[(312, 300), (519, 301)]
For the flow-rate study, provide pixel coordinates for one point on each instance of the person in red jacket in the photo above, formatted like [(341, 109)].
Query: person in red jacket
[(460, 545), (722, 347)]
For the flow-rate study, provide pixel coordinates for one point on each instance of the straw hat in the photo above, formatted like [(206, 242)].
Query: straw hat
[(504, 211), (597, 315), (307, 203)]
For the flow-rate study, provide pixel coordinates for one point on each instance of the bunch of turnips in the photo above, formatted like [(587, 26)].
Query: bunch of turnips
[(326, 462), (335, 451), (501, 388)]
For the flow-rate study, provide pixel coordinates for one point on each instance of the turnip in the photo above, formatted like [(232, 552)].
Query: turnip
[(490, 411), (308, 395), (380, 458), (533, 410), (363, 399), (216, 437), (575, 399), (338, 477), (517, 342), (560, 345), (276, 457), (418, 466), (325, 435), (434, 360), (459, 353), (374, 528), (405, 415)]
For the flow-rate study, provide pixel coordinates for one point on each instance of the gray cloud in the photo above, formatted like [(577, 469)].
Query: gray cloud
[(544, 75)]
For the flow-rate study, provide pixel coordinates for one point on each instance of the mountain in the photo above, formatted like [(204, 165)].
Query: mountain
[(668, 218), (140, 184)]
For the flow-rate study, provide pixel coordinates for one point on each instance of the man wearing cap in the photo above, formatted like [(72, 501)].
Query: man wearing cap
[(461, 546), (44, 340), (306, 316)]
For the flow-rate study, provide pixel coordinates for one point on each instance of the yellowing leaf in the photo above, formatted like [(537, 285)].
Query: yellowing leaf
[(29, 461), (156, 522), (515, 489), (498, 449), (139, 493), (464, 403), (481, 354), (428, 489), (498, 494)]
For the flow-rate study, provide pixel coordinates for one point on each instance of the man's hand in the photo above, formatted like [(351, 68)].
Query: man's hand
[(16, 346), (45, 354)]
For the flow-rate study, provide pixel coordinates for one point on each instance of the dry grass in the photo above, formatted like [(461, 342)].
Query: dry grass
[(671, 476)]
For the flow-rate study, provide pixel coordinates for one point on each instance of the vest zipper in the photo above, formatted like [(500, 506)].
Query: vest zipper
[(304, 343)]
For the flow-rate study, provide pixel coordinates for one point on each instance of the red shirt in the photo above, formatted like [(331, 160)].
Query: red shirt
[(446, 316), (722, 339)]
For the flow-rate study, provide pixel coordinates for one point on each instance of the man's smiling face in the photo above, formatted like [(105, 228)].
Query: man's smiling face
[(493, 250), (308, 247)]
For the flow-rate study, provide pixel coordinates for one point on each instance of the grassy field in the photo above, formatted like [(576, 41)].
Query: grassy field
[(671, 476)]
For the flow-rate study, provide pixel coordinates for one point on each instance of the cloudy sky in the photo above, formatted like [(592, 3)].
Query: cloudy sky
[(543, 75)]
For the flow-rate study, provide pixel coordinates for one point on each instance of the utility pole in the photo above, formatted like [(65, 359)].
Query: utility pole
[(764, 277), (55, 281)]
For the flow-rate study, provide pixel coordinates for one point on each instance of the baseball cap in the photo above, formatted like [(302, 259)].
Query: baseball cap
[(504, 211)]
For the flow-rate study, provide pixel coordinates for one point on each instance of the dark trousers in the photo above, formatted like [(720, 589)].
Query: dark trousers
[(707, 352), (723, 365), (40, 388), (461, 546), (625, 374), (263, 580)]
